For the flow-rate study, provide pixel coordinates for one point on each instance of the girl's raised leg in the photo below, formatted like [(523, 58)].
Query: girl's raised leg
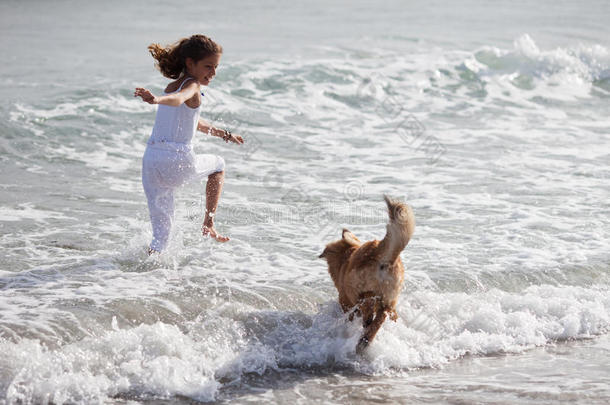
[(212, 196)]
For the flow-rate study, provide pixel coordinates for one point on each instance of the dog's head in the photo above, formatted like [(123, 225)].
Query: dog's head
[(337, 252)]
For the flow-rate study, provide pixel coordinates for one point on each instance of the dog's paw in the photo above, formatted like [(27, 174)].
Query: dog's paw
[(363, 343)]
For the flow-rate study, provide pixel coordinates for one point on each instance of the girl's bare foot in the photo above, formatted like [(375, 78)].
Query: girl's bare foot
[(211, 232)]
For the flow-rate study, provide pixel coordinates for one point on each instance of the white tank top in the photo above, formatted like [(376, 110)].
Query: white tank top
[(174, 126)]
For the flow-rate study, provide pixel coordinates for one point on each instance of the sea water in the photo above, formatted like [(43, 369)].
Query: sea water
[(491, 119)]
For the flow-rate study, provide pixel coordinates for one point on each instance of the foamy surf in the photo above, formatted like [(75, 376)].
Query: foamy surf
[(231, 341)]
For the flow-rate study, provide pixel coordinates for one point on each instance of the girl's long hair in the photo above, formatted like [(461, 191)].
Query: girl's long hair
[(171, 60)]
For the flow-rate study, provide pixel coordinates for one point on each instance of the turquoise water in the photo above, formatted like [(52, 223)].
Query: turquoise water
[(489, 119)]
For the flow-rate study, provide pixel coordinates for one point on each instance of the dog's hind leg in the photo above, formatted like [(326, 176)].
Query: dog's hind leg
[(371, 330)]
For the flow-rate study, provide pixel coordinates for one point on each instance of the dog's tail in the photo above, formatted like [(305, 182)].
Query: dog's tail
[(399, 230)]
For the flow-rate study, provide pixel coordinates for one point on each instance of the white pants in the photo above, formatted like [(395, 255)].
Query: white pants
[(163, 171)]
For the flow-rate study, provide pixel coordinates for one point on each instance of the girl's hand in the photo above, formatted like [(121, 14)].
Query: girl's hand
[(229, 137), (146, 95)]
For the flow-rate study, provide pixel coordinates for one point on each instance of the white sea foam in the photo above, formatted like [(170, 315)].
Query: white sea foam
[(28, 211), (89, 105), (233, 339), (150, 360)]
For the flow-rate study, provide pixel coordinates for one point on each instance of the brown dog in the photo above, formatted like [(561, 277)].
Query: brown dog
[(369, 276)]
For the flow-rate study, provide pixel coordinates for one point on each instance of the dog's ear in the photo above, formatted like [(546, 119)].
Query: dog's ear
[(350, 237)]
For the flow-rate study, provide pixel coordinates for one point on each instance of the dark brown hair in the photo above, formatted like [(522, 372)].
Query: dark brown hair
[(171, 60)]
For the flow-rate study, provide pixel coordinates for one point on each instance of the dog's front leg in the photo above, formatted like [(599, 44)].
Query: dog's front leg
[(371, 330)]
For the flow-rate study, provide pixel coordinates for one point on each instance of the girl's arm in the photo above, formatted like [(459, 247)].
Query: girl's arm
[(207, 128), (175, 99)]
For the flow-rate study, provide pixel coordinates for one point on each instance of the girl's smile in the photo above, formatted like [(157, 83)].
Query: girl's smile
[(204, 70)]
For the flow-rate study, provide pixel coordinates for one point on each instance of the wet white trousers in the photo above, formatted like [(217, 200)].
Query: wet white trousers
[(163, 171)]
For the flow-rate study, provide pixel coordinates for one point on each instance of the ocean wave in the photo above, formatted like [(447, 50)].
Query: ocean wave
[(232, 340), (526, 59), (148, 361), (563, 73)]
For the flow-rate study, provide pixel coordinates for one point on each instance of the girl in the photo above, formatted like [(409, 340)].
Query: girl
[(168, 161)]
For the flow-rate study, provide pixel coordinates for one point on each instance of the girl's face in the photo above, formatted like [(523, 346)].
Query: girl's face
[(204, 70)]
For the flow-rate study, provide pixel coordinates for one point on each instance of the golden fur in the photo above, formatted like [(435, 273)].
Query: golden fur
[(369, 275)]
